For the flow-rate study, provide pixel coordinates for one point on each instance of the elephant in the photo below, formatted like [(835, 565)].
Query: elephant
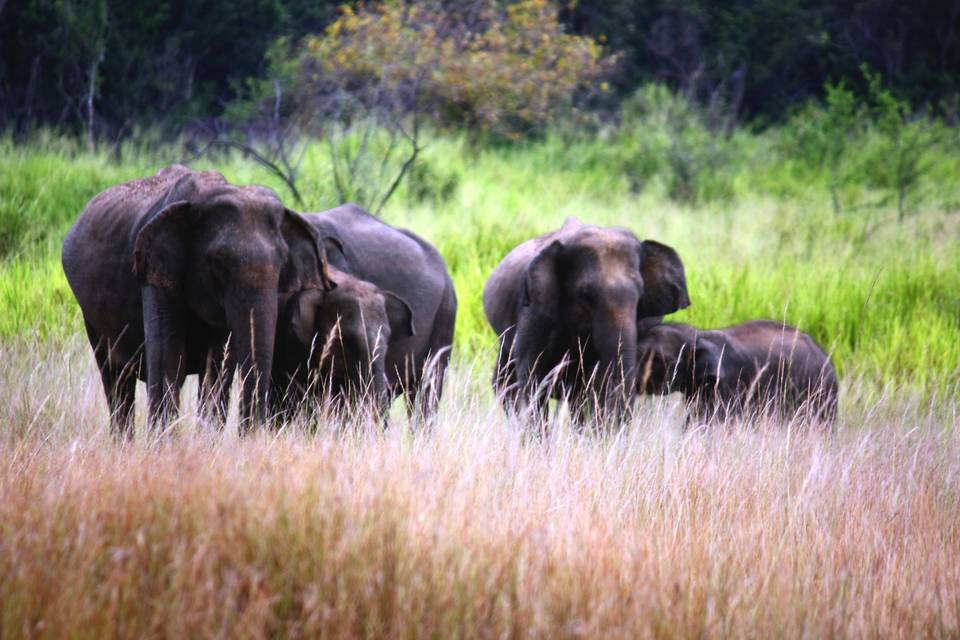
[(567, 307), (756, 367), (183, 273), (411, 277), (335, 344)]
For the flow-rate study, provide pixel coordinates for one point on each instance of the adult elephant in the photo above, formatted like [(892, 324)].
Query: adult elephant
[(567, 305), (182, 272), (405, 277)]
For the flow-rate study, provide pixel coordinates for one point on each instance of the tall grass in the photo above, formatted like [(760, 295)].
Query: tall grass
[(473, 530), (337, 529), (880, 295)]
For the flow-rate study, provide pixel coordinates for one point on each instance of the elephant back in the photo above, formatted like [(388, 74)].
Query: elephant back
[(395, 260)]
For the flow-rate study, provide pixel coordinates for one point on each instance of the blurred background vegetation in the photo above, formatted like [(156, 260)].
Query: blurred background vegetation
[(159, 63), (801, 155)]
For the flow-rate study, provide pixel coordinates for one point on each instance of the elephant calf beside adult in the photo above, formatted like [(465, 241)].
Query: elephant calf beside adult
[(165, 268), (568, 304), (754, 368), (399, 292)]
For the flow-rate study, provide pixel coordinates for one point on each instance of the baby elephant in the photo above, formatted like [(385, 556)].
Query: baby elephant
[(334, 344), (755, 367), (386, 326)]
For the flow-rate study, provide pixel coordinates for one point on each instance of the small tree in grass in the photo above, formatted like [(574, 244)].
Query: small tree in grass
[(899, 161), (821, 137), (370, 84), (876, 137)]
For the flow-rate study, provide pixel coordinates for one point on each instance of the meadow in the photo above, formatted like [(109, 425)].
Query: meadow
[(474, 530)]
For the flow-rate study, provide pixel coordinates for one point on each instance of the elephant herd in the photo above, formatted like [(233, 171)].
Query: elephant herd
[(184, 273)]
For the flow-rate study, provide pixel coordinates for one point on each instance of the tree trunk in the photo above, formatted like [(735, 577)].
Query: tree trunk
[(31, 90), (91, 93)]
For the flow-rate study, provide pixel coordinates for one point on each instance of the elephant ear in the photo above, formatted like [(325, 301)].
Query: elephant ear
[(308, 255), (541, 282), (158, 252), (304, 319), (664, 281), (399, 314)]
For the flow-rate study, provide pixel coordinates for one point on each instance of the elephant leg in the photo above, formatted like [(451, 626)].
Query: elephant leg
[(526, 403), (426, 392), (414, 395), (427, 399), (166, 354), (505, 384), (580, 409), (288, 398), (119, 385), (421, 402), (214, 385)]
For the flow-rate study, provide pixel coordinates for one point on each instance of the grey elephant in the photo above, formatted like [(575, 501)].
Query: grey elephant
[(333, 345), (403, 296), (182, 273), (568, 304), (755, 367)]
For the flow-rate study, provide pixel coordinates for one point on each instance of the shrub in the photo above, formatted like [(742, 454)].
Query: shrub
[(819, 137), (897, 162), (480, 66), (664, 133)]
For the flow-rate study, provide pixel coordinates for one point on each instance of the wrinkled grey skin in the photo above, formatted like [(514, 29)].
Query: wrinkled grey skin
[(412, 278), (334, 345), (755, 367), (577, 295), (165, 268)]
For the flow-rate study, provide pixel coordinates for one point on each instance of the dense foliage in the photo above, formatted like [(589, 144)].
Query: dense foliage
[(488, 69), (766, 55), (111, 66), (144, 61)]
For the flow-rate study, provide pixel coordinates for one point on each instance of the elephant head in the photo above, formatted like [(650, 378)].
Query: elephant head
[(339, 339), (676, 358), (227, 255), (592, 286)]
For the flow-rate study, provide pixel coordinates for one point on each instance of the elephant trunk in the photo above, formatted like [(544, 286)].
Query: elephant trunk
[(616, 345), (253, 324)]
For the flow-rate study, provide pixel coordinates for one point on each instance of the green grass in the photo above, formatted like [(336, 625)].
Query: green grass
[(342, 529), (881, 295)]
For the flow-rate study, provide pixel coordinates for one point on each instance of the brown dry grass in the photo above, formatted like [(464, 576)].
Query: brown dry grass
[(472, 531)]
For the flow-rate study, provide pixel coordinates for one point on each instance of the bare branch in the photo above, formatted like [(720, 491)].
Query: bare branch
[(261, 160)]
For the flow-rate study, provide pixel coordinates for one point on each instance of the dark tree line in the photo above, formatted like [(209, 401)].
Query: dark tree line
[(120, 64), (108, 67), (764, 56)]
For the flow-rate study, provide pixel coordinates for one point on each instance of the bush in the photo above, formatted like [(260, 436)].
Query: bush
[(897, 162), (875, 140), (663, 133), (820, 137), (427, 183), (479, 66)]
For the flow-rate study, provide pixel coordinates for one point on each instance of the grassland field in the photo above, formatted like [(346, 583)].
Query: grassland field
[(474, 530), (879, 294)]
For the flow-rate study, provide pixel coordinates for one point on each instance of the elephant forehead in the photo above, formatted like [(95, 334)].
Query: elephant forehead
[(257, 194), (606, 242), (245, 203), (612, 251)]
